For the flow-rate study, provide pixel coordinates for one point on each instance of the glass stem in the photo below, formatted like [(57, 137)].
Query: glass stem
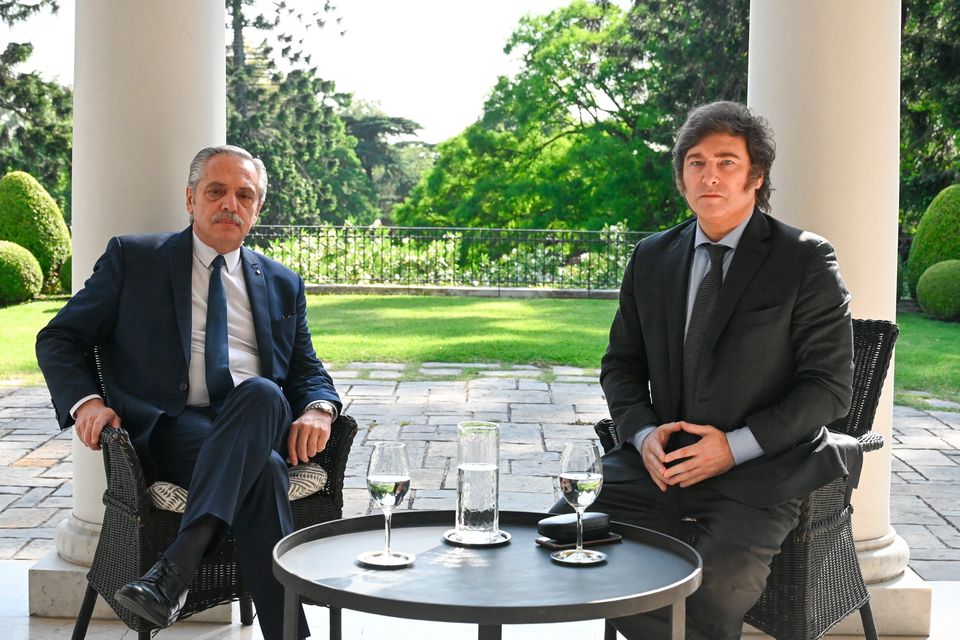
[(579, 531), (386, 531)]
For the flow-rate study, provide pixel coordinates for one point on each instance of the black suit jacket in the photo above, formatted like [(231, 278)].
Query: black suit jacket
[(137, 306), (777, 357)]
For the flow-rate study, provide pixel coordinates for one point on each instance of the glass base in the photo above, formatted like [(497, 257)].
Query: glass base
[(494, 540), (382, 560), (574, 557)]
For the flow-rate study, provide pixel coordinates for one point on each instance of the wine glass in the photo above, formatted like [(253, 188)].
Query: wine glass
[(581, 477), (388, 480)]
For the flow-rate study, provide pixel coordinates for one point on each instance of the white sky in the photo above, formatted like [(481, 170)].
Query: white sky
[(433, 61)]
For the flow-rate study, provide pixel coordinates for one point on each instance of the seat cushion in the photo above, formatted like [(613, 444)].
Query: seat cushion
[(305, 479)]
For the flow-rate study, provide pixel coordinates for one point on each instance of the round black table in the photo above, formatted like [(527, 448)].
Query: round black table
[(515, 583)]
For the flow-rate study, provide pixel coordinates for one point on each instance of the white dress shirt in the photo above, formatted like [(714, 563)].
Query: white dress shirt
[(241, 333)]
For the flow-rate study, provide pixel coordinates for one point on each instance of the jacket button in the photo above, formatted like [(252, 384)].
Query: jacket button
[(183, 386)]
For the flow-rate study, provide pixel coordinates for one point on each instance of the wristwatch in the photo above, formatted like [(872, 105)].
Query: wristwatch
[(325, 406)]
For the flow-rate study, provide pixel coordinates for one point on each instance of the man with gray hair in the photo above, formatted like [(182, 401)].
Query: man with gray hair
[(210, 367), (731, 349)]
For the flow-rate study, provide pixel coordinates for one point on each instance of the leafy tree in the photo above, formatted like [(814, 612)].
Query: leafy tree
[(930, 104), (580, 137), (13, 11), (290, 119), (392, 167), (36, 131)]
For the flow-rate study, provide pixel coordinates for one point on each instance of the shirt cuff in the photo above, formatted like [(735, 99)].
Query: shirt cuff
[(743, 445), (324, 405), (640, 436), (73, 409)]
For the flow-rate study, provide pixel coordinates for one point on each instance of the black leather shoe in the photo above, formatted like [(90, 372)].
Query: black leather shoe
[(158, 596)]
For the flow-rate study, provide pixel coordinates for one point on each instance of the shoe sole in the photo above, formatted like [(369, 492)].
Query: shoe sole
[(134, 604)]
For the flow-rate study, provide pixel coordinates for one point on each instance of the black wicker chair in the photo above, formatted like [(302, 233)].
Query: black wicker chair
[(134, 533), (815, 581)]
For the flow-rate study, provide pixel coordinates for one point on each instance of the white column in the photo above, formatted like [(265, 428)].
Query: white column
[(826, 74), (149, 92)]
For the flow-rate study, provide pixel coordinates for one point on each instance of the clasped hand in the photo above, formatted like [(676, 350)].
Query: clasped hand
[(708, 457)]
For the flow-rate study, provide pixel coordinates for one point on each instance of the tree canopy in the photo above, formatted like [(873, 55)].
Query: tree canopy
[(930, 104), (290, 118), (36, 116), (580, 137)]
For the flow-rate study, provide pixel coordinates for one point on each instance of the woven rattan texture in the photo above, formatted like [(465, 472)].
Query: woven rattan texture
[(815, 581), (134, 533)]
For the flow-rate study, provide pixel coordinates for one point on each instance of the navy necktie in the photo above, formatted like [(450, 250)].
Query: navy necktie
[(703, 306), (216, 353)]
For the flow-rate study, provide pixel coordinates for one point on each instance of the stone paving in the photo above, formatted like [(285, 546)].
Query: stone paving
[(539, 409)]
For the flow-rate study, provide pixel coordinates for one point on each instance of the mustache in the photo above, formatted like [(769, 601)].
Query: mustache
[(226, 215)]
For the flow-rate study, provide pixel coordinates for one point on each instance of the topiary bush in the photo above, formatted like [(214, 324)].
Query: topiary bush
[(20, 274), (938, 235), (938, 291), (66, 275), (32, 219)]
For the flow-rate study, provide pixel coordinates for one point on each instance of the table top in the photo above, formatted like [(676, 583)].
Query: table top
[(515, 583)]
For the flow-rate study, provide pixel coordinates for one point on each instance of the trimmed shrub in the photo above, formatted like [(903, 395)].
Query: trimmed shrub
[(938, 235), (938, 291), (66, 275), (32, 219), (20, 273)]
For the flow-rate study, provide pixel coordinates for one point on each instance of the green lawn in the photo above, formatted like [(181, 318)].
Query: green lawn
[(19, 325), (411, 329), (418, 329), (927, 358), (415, 329)]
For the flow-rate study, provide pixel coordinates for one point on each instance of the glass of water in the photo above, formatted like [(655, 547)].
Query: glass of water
[(388, 480), (581, 477), (478, 483)]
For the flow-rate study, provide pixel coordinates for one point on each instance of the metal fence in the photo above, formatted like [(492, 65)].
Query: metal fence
[(434, 256)]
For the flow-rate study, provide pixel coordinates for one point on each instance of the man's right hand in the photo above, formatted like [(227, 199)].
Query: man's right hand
[(652, 453), (92, 416)]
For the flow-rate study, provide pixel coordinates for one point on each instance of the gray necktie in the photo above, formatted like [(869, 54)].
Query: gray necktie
[(703, 306)]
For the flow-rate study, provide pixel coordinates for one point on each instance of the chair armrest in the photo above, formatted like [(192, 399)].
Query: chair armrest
[(870, 441), (126, 484), (606, 430), (334, 457)]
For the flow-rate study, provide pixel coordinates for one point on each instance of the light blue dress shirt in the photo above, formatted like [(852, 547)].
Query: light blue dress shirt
[(743, 444)]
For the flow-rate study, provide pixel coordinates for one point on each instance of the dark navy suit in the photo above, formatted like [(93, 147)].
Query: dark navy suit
[(137, 307)]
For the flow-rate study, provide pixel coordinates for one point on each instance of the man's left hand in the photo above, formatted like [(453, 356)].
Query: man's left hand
[(308, 436), (708, 457)]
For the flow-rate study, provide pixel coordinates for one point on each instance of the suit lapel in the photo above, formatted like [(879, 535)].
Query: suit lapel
[(676, 279), (257, 290), (751, 252), (180, 255)]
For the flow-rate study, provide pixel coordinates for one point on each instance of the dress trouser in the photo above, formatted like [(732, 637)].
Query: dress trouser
[(232, 466), (737, 543)]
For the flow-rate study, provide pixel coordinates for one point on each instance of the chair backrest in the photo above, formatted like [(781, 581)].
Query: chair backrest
[(873, 342)]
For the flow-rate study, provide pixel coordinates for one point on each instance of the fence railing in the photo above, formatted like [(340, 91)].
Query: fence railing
[(425, 256)]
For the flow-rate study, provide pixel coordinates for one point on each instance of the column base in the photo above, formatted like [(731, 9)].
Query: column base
[(76, 540), (901, 607), (883, 559), (56, 589)]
